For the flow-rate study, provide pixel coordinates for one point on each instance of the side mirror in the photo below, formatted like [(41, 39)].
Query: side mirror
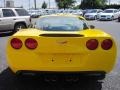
[(92, 27)]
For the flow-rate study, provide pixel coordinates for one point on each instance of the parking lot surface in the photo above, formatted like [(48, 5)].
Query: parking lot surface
[(112, 81)]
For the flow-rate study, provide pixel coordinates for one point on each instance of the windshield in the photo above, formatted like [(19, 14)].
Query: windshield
[(60, 23), (108, 11)]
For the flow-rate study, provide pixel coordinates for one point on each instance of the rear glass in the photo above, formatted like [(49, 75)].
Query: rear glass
[(22, 12), (60, 23)]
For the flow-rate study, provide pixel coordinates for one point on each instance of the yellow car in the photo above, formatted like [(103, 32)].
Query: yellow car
[(61, 44)]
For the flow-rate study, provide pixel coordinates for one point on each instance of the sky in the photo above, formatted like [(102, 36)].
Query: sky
[(25, 3)]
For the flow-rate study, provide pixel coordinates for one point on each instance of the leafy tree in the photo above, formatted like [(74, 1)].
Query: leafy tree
[(93, 4), (65, 3), (44, 5)]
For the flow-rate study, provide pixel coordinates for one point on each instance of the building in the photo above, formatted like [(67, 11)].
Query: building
[(9, 3)]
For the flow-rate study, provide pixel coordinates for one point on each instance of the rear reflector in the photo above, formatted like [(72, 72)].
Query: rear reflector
[(31, 43), (16, 43), (92, 44), (107, 44)]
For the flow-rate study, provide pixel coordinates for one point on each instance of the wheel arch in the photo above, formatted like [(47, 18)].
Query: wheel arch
[(22, 22)]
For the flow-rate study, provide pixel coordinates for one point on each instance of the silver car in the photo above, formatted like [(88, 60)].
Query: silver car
[(93, 14), (11, 19), (109, 14)]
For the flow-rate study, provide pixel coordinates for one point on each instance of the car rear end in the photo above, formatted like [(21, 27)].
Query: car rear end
[(68, 47), (70, 53)]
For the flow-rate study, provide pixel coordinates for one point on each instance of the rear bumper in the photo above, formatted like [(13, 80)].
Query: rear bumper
[(65, 75), (76, 63)]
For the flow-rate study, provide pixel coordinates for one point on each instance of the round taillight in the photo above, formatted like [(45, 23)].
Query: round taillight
[(107, 44), (16, 43), (92, 44), (31, 43)]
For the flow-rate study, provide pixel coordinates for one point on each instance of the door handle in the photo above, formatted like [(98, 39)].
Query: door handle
[(0, 20), (14, 19)]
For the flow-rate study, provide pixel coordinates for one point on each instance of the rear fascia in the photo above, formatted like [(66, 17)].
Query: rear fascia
[(48, 50)]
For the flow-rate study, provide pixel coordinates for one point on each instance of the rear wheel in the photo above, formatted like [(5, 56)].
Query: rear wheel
[(19, 26)]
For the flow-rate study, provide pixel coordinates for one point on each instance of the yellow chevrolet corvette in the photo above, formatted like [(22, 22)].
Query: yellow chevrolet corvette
[(64, 45)]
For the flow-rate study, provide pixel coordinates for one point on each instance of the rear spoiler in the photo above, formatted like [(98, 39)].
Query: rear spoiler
[(61, 35)]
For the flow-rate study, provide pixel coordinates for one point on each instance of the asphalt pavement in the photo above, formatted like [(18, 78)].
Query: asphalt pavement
[(8, 81)]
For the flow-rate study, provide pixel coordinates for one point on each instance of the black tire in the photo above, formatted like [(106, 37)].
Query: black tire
[(18, 26)]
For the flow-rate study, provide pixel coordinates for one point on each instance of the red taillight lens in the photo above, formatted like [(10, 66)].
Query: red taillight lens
[(16, 43), (31, 43), (92, 44), (107, 44)]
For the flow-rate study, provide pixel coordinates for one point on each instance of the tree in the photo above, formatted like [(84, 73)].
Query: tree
[(93, 4), (44, 5), (65, 3)]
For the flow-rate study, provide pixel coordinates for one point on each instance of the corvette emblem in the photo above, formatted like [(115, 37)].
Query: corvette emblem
[(63, 42)]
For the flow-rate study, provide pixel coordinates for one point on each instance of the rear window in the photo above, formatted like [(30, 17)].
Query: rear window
[(22, 12), (60, 23)]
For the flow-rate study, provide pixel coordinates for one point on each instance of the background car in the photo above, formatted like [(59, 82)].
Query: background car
[(93, 14), (86, 11), (77, 12), (34, 13), (75, 49), (109, 14), (11, 19)]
